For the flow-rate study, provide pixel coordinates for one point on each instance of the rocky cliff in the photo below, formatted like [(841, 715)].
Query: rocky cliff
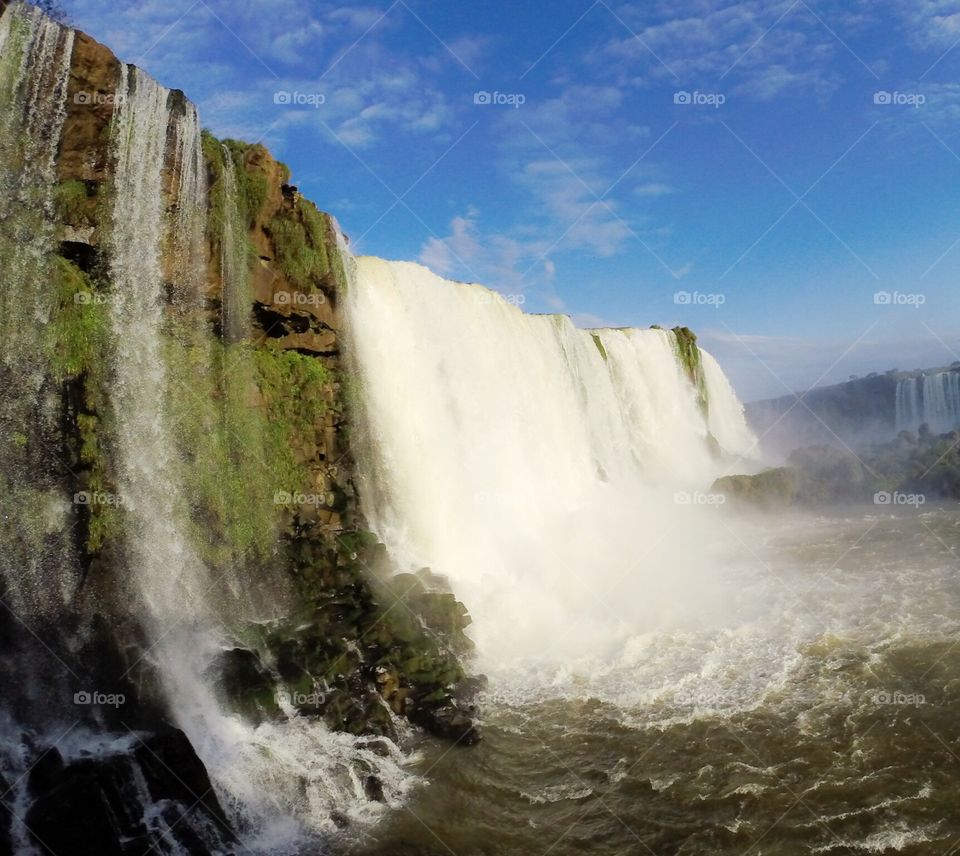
[(258, 392)]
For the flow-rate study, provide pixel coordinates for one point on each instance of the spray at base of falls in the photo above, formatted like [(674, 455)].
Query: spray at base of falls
[(554, 475)]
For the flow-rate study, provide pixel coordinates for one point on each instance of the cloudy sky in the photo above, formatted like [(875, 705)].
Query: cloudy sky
[(759, 171)]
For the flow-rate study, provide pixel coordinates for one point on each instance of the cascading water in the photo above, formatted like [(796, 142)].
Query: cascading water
[(931, 399), (235, 292), (279, 778), (549, 472), (34, 68)]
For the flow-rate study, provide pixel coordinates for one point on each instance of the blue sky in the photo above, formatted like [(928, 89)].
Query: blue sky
[(759, 171)]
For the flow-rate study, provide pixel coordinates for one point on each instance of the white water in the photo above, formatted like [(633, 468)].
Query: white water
[(34, 72), (558, 489), (932, 399), (234, 292), (279, 780)]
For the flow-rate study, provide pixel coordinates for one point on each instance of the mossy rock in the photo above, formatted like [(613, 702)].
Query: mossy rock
[(770, 489)]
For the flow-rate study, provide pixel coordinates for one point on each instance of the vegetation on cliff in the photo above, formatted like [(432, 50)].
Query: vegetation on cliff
[(689, 354)]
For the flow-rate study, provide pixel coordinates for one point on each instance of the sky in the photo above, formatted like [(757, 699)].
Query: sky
[(781, 176)]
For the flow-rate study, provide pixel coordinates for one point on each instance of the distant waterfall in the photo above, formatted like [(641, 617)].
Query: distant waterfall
[(535, 464), (931, 399)]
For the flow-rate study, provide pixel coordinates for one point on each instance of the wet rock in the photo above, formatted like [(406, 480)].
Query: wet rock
[(173, 771), (6, 845), (373, 788), (96, 806), (245, 685), (449, 721), (87, 809)]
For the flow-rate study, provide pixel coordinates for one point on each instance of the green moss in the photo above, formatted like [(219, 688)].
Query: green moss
[(295, 389), (689, 355), (222, 437), (306, 251), (76, 202), (599, 344), (252, 185), (77, 336), (773, 488)]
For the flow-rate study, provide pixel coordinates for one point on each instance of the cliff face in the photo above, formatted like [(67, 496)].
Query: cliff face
[(257, 395)]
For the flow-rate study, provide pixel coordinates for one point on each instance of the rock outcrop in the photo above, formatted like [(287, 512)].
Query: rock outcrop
[(263, 436)]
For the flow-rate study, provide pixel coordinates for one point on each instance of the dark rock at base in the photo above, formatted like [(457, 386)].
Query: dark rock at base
[(89, 810), (6, 845), (449, 721), (173, 771), (373, 788), (97, 806), (245, 685), (46, 772)]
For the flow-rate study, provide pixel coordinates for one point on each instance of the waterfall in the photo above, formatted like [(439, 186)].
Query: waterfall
[(930, 399), (235, 292), (549, 472), (279, 779), (34, 70)]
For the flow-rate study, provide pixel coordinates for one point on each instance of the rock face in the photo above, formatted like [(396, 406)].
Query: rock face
[(264, 437), (93, 807)]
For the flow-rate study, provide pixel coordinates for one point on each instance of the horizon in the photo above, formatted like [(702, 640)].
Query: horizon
[(592, 164)]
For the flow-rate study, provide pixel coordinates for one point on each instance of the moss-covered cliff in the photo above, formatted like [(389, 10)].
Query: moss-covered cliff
[(264, 436)]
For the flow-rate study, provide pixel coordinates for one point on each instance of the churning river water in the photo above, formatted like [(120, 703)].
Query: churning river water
[(821, 716)]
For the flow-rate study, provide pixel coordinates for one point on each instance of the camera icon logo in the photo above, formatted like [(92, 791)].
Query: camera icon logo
[(82, 697), (282, 97), (482, 97), (882, 498), (82, 498), (682, 298), (882, 298), (882, 98), (682, 97)]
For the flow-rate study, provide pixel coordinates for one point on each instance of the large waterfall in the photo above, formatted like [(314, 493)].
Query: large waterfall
[(931, 399), (548, 472), (544, 470)]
